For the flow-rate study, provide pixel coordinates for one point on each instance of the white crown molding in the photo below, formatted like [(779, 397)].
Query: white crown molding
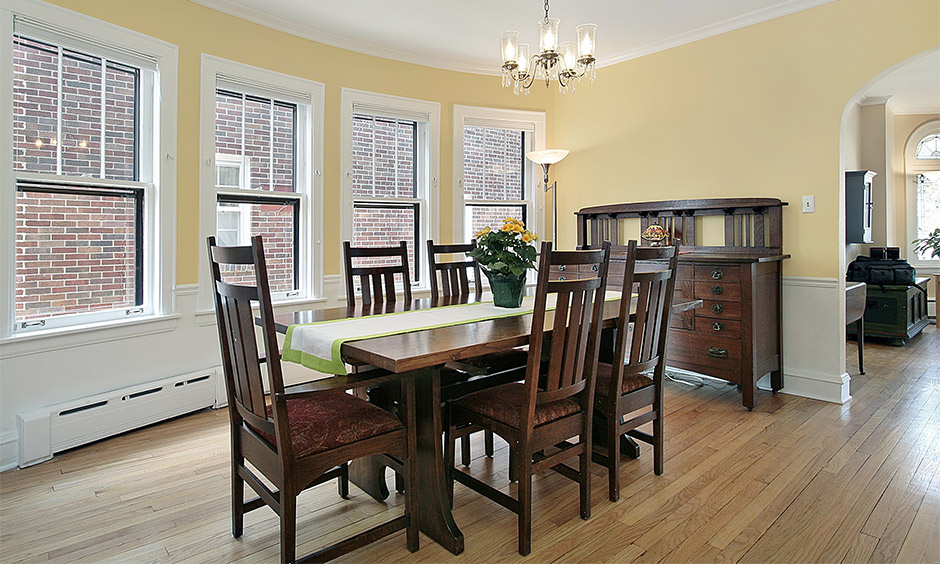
[(916, 112), (717, 28), (326, 37), (873, 100)]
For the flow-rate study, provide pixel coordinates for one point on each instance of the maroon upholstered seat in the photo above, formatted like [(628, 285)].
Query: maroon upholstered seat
[(504, 404), (315, 427), (631, 382)]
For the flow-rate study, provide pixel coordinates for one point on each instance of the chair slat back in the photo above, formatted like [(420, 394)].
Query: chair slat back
[(649, 272), (454, 276), (579, 306), (241, 358), (377, 283)]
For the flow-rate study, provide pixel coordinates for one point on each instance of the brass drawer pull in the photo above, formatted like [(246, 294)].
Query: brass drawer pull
[(718, 308), (594, 267), (717, 274), (562, 267), (715, 352), (562, 277), (717, 290), (716, 326)]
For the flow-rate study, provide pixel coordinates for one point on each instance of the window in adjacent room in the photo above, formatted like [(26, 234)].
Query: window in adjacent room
[(925, 167)]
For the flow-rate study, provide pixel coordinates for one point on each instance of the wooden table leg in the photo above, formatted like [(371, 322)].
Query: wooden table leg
[(860, 328), (433, 501)]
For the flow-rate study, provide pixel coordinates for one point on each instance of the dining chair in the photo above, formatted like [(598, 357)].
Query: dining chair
[(458, 279), (299, 436), (376, 282), (541, 415), (633, 381)]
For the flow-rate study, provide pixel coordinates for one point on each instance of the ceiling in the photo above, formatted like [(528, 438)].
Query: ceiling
[(464, 36), (913, 88)]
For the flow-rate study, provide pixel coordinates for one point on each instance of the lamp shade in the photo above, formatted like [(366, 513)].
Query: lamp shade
[(548, 156)]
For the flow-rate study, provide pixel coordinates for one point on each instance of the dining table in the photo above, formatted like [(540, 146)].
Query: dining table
[(422, 355)]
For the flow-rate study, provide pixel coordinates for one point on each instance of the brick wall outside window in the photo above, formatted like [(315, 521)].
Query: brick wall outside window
[(493, 170), (383, 167), (269, 157), (75, 253)]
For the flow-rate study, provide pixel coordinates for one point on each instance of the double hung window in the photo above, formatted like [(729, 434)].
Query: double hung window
[(87, 189), (260, 142), (494, 179), (390, 161)]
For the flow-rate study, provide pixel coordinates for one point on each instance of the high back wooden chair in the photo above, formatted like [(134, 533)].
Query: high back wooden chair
[(555, 402), (462, 279), (377, 283), (300, 436), (453, 278), (634, 379)]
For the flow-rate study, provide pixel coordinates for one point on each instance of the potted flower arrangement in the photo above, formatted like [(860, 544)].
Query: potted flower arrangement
[(504, 256)]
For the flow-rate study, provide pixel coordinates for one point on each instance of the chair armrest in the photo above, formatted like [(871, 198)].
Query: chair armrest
[(362, 380)]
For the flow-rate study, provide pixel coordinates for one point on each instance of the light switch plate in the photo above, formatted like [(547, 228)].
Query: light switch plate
[(809, 204)]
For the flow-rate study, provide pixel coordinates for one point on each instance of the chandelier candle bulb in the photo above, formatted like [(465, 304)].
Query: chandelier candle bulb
[(509, 47), (523, 60), (586, 34), (568, 55), (548, 34)]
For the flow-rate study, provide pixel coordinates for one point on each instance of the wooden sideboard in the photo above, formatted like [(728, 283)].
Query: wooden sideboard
[(736, 336)]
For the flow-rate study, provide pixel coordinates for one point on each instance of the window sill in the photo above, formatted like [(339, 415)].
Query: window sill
[(206, 317), (35, 342)]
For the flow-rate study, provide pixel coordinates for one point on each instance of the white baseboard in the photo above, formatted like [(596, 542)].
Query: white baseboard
[(9, 450), (825, 387)]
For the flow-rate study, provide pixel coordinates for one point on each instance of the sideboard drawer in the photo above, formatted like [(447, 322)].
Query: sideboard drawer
[(719, 272), (722, 291), (719, 310), (705, 350), (719, 327)]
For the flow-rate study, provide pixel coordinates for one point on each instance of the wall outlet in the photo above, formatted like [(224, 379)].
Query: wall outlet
[(809, 204)]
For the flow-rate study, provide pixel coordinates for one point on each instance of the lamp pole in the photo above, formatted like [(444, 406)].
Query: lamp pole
[(554, 201)]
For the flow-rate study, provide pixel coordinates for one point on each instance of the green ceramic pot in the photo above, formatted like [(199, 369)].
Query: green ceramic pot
[(507, 289)]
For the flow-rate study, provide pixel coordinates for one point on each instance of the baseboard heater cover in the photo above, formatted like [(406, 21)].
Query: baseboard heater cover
[(51, 429)]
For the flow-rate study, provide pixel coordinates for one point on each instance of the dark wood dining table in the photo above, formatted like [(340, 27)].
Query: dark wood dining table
[(421, 355)]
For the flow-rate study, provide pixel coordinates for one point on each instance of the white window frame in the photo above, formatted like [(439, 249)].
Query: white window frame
[(913, 168), (308, 176), (533, 123), (428, 116), (156, 165)]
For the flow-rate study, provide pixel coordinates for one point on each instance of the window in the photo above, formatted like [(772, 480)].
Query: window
[(923, 188), (493, 177), (390, 162), (923, 172), (260, 138), (88, 193)]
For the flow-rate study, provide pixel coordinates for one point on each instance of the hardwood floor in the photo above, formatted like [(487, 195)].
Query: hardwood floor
[(796, 480)]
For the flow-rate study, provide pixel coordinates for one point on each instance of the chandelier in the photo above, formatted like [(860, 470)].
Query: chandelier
[(566, 62)]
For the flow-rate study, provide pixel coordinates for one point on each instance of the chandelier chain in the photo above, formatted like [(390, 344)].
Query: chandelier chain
[(546, 9)]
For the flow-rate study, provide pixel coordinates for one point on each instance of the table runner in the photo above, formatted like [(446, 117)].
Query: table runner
[(317, 345)]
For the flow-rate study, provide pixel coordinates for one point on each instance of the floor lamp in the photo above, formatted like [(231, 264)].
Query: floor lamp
[(547, 158)]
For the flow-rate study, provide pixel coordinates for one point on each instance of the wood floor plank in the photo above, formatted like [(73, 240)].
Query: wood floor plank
[(796, 480)]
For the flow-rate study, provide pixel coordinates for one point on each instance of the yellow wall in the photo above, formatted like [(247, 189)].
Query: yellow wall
[(195, 30), (752, 112)]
